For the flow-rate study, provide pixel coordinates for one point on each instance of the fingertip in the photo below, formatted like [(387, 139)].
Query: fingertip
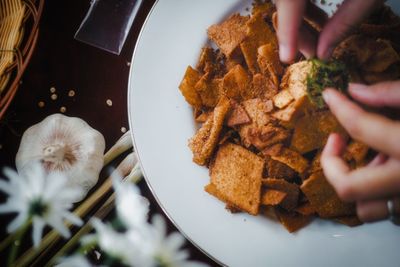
[(286, 54)]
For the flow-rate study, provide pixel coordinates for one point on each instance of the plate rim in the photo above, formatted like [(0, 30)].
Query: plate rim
[(129, 105)]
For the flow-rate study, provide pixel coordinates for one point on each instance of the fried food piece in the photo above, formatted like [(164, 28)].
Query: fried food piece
[(266, 136), (356, 152), (311, 132), (202, 116), (265, 8), (295, 78), (205, 140), (292, 191), (292, 221), (236, 174), (208, 90), (211, 62), (229, 34), (282, 99), (377, 61), (237, 115), (287, 156), (290, 114), (305, 209), (258, 33), (272, 197), (236, 83), (263, 87), (187, 87), (269, 63), (323, 197), (277, 169), (257, 109), (351, 221)]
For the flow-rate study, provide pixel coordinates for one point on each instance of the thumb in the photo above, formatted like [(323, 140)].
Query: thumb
[(349, 14), (377, 95)]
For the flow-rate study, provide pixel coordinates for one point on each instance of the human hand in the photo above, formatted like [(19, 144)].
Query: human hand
[(373, 185), (293, 37)]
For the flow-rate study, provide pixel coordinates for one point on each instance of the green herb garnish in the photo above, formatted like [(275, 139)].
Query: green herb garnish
[(324, 74)]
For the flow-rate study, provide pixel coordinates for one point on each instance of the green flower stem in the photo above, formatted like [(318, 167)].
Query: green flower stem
[(17, 242), (7, 241)]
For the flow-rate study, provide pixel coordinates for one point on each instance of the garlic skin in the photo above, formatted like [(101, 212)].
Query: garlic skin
[(64, 144)]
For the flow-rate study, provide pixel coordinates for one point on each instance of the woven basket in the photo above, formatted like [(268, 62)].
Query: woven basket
[(19, 29)]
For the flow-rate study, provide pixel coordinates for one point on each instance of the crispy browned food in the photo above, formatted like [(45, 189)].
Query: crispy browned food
[(324, 199), (236, 174), (357, 152), (269, 63), (205, 140), (211, 62), (271, 197), (263, 87), (266, 8), (277, 169), (377, 61), (257, 109), (283, 98), (229, 34), (237, 115), (209, 90), (292, 190), (236, 83), (258, 33), (187, 87), (292, 221), (287, 156), (295, 78), (202, 117), (311, 132), (352, 220), (305, 209), (289, 115), (266, 136)]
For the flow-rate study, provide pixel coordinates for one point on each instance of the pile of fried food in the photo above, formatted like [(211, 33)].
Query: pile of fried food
[(262, 135)]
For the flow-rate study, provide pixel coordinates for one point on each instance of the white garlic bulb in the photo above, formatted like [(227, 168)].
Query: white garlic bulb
[(64, 144)]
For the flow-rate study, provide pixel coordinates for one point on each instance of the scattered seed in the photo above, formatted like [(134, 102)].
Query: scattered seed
[(54, 96), (71, 93), (41, 104), (109, 102), (63, 109), (128, 63), (123, 130), (52, 89), (1, 146)]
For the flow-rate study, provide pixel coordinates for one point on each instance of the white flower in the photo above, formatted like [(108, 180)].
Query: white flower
[(119, 245), (74, 261), (167, 249), (132, 208), (41, 197)]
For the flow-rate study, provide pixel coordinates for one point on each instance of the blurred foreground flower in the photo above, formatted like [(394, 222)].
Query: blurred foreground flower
[(130, 240), (38, 198)]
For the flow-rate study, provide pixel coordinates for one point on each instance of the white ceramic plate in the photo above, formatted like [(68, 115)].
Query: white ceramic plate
[(162, 123)]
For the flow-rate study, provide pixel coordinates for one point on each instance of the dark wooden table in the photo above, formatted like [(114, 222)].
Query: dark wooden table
[(62, 62)]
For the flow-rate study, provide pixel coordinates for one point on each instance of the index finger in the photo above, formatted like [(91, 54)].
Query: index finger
[(290, 17), (372, 129)]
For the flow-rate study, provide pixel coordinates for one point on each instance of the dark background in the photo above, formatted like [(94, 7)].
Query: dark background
[(62, 62)]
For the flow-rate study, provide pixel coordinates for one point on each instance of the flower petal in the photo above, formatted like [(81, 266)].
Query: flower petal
[(174, 241), (8, 207), (17, 222), (6, 187), (38, 225), (57, 223), (72, 218)]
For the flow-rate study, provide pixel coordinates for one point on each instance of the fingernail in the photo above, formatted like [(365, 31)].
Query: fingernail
[(284, 53), (326, 94)]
